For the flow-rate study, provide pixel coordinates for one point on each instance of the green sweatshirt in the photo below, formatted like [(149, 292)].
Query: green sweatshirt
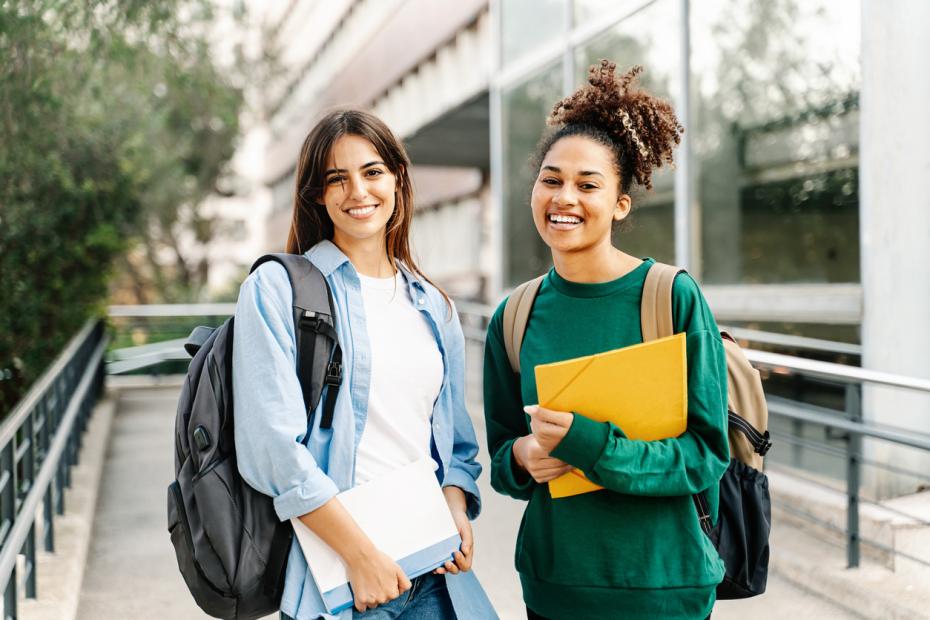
[(634, 549)]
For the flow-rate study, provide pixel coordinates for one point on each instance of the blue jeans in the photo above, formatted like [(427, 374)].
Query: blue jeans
[(427, 599)]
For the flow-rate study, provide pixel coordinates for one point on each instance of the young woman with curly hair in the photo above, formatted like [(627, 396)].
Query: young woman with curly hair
[(403, 393), (634, 549)]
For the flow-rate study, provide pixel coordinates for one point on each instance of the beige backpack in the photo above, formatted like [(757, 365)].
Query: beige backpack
[(741, 534)]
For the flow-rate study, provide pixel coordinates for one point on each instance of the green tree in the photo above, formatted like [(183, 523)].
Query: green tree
[(115, 122)]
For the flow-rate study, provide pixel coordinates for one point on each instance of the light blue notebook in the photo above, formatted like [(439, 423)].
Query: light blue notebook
[(405, 515)]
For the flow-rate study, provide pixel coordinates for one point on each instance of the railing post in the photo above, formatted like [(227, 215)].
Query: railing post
[(8, 516), (853, 466), (43, 441), (29, 476)]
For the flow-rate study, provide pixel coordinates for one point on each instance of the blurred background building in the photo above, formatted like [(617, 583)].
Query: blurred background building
[(764, 206)]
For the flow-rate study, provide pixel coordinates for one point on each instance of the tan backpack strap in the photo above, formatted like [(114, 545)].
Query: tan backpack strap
[(656, 308), (516, 314)]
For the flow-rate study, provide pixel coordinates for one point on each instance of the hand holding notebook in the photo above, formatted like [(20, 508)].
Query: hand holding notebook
[(642, 389), (405, 515)]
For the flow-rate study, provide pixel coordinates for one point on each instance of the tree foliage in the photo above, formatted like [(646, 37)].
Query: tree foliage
[(115, 123)]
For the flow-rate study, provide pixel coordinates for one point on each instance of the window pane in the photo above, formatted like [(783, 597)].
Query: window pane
[(648, 38), (775, 93), (525, 108), (594, 10), (528, 24)]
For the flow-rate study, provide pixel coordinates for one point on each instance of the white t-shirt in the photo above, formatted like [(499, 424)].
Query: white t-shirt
[(406, 376)]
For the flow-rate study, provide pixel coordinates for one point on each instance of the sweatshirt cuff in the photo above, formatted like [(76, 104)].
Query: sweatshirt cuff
[(511, 476), (458, 478), (584, 443), (307, 497)]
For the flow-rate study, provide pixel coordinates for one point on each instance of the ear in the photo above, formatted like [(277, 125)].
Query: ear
[(623, 207)]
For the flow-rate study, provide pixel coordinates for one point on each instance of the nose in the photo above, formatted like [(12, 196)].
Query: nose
[(357, 190), (566, 196)]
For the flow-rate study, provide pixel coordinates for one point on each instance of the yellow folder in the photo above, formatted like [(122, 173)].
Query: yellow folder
[(643, 389)]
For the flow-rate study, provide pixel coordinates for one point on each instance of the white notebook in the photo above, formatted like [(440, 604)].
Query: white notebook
[(405, 515)]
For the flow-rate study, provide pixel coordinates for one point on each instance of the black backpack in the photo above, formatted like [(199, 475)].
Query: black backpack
[(231, 547), (741, 535)]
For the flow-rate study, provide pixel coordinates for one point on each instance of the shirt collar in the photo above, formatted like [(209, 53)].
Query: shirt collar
[(327, 257)]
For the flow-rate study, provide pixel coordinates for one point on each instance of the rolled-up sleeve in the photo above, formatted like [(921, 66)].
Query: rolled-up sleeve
[(464, 469), (270, 423)]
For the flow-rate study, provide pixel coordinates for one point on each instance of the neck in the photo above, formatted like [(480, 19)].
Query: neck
[(368, 256), (599, 263)]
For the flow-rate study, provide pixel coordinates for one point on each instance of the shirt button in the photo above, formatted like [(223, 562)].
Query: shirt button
[(421, 301), (436, 426)]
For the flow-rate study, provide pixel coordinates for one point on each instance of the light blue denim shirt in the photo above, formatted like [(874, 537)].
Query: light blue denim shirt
[(303, 468)]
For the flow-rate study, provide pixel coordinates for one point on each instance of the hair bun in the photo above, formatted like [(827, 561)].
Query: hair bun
[(643, 126)]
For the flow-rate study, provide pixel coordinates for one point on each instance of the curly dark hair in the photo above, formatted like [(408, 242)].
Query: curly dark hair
[(640, 129)]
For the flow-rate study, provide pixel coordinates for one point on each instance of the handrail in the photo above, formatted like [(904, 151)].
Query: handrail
[(24, 407), (841, 373), (792, 342), (156, 310), (740, 333), (786, 364), (43, 431)]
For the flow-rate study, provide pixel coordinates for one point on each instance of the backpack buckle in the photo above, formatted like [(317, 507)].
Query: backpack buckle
[(765, 445), (310, 319), (333, 373)]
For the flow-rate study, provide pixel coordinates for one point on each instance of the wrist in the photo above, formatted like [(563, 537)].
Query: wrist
[(360, 554), (515, 452)]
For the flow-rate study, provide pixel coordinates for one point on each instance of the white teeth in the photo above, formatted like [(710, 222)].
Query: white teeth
[(361, 211), (564, 219)]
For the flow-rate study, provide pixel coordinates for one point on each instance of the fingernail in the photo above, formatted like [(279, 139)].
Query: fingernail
[(531, 409)]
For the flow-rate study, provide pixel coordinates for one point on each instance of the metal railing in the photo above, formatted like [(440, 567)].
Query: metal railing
[(39, 443), (846, 424)]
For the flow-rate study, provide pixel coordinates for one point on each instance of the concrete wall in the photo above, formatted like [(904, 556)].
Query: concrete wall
[(895, 223)]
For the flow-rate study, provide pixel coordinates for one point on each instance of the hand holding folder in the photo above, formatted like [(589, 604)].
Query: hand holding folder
[(643, 389)]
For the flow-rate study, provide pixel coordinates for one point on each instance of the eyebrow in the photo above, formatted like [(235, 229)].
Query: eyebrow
[(583, 173), (343, 170)]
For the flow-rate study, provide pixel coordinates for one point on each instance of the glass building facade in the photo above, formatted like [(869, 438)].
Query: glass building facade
[(766, 190)]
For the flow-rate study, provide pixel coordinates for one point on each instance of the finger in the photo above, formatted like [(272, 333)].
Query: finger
[(403, 582), (467, 539), (559, 418), (440, 571), (462, 561), (554, 471), (452, 568)]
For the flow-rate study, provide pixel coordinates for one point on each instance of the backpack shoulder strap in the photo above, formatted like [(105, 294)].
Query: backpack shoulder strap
[(516, 314), (314, 317), (656, 308)]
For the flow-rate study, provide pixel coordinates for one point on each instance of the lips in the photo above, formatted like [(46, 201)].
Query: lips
[(361, 212), (564, 221)]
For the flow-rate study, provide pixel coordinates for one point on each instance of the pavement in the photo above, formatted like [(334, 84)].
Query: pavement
[(131, 571)]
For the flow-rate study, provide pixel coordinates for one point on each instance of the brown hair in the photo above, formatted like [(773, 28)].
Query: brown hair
[(311, 223), (641, 130)]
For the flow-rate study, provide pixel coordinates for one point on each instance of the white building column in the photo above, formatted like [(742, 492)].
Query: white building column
[(895, 225)]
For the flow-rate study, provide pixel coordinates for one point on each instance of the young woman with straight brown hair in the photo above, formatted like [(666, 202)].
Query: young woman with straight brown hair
[(402, 396)]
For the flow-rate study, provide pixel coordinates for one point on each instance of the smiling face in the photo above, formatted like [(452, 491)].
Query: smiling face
[(576, 197), (359, 191)]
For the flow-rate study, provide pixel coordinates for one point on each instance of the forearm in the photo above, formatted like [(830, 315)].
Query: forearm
[(336, 527), (677, 466), (455, 498)]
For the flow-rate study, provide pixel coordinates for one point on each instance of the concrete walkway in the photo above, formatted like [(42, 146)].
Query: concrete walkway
[(131, 570)]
